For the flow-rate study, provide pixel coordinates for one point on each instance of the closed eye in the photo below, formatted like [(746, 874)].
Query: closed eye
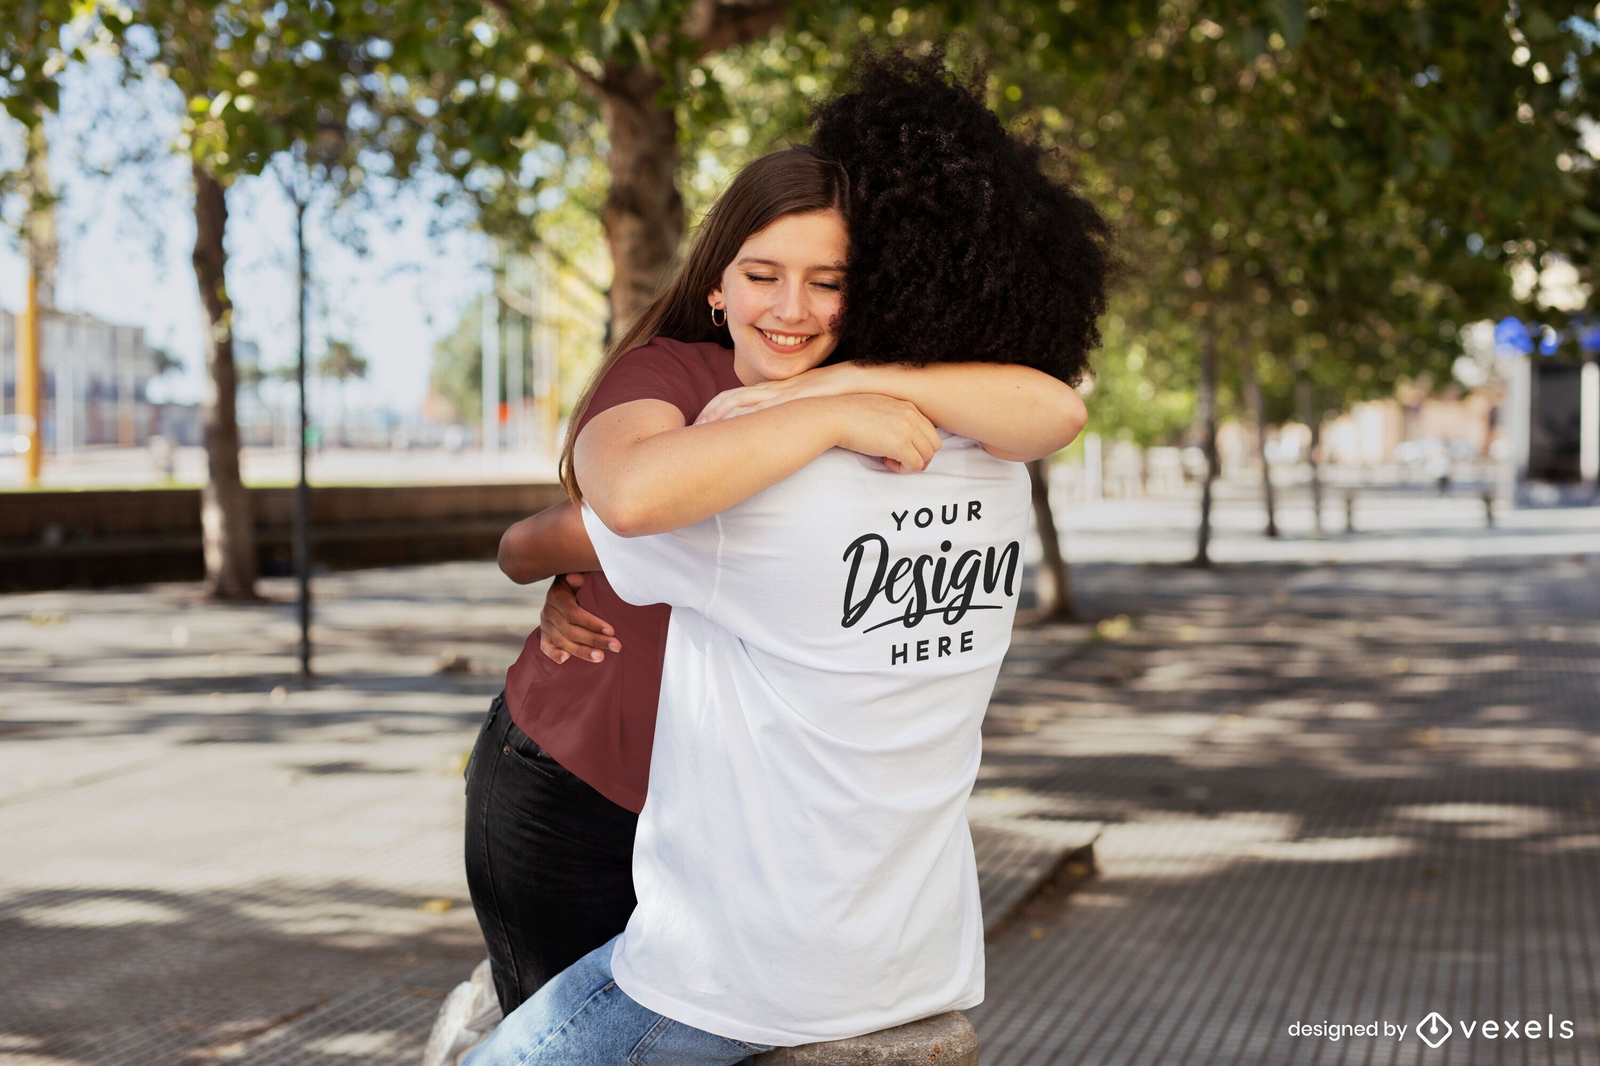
[(758, 277)]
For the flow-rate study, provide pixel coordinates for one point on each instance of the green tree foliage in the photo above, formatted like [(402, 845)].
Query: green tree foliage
[(38, 38), (341, 363), (614, 103), (1346, 169), (260, 79), (1323, 191), (1140, 394)]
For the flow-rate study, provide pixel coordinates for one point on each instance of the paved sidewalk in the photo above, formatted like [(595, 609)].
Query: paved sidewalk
[(1348, 794), (203, 863), (198, 857), (1332, 787)]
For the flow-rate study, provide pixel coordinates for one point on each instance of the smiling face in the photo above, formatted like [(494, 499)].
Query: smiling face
[(782, 293)]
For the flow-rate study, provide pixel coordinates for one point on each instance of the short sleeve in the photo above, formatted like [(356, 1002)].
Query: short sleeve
[(677, 568), (651, 372)]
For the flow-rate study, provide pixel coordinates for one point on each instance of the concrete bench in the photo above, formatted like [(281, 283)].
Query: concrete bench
[(943, 1040)]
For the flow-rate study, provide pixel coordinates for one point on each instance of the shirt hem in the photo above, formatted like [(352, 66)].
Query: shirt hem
[(717, 1025), (627, 798)]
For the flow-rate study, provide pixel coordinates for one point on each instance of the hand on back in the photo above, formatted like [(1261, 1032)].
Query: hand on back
[(565, 629)]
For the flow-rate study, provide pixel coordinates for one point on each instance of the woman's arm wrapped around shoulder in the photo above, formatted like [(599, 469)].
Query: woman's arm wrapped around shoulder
[(1015, 412), (643, 471)]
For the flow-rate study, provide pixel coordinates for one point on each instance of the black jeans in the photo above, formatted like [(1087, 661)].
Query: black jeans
[(549, 859)]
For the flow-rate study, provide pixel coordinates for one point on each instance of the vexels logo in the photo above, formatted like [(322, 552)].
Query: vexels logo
[(1434, 1029)]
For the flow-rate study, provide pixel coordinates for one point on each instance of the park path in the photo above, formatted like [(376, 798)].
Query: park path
[(203, 863), (1326, 787), (1352, 794)]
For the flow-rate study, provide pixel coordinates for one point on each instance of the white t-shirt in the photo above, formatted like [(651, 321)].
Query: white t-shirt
[(803, 863)]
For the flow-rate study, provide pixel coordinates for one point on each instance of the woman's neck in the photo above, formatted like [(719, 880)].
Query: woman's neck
[(745, 370)]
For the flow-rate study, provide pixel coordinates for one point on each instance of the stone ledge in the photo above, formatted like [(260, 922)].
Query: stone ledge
[(943, 1040)]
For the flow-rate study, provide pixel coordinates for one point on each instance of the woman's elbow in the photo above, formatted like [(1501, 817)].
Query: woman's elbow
[(1066, 418), (507, 562), (625, 513), (1070, 416), (510, 559), (1074, 422)]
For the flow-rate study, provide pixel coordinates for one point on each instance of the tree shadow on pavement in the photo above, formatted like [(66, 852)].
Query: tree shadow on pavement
[(126, 976), (1330, 793)]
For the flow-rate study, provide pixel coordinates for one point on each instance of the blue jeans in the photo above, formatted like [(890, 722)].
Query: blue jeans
[(581, 1018)]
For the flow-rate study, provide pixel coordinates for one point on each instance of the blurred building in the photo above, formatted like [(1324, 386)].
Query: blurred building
[(1376, 432), (94, 377)]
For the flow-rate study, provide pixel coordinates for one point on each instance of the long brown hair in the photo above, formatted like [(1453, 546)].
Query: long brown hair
[(793, 181)]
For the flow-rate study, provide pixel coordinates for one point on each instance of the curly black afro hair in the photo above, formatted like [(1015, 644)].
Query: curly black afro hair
[(961, 247)]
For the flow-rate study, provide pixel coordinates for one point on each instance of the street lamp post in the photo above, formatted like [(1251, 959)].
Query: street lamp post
[(295, 170), (489, 339)]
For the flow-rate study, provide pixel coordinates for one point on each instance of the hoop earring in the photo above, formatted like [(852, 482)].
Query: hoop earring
[(714, 321)]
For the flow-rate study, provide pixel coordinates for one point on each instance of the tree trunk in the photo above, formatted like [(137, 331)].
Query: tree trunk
[(643, 213), (1253, 386), (1058, 604), (1207, 401), (227, 536), (1313, 450), (302, 490)]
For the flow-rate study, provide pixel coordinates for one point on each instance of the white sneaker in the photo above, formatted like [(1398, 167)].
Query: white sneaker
[(468, 1015)]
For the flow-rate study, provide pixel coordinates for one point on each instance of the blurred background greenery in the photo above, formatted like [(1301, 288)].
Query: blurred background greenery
[(1317, 199)]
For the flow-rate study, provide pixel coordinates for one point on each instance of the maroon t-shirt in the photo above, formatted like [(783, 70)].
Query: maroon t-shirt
[(599, 719)]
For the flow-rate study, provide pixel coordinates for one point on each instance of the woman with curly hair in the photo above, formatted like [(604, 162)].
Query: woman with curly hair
[(964, 293)]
